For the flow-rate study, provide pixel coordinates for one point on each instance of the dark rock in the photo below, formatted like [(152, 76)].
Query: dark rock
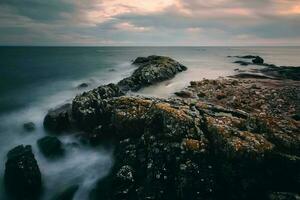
[(283, 196), (67, 194), (296, 117), (258, 60), (29, 126), (243, 63), (22, 174), (184, 94), (83, 85), (87, 107), (151, 70), (247, 57), (282, 72), (58, 119), (250, 75), (50, 146)]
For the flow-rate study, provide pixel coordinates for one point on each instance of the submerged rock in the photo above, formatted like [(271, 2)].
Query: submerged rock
[(50, 146), (22, 174), (29, 126), (151, 70), (58, 119)]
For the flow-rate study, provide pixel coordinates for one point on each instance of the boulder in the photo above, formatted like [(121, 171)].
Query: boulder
[(50, 146), (258, 60), (58, 119), (22, 174), (151, 70), (29, 126)]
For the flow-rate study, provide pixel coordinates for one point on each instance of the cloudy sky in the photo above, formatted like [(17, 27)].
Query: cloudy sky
[(150, 22)]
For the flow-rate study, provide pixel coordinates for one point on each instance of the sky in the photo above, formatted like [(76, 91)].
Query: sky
[(150, 22)]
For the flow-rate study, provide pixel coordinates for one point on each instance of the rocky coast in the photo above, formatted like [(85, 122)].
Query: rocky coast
[(229, 138)]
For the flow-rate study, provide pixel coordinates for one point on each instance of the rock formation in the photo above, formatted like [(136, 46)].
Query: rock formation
[(22, 174)]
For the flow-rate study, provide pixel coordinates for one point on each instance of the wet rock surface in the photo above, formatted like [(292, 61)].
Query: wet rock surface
[(216, 139), (151, 70), (50, 146), (58, 119), (268, 70), (22, 174)]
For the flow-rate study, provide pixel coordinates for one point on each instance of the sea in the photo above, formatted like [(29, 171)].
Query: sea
[(36, 79)]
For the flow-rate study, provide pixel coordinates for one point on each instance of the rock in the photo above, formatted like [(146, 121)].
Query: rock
[(250, 75), (67, 194), (184, 94), (86, 108), (258, 60), (283, 196), (22, 174), (247, 57), (50, 146), (243, 63), (151, 70), (82, 85), (29, 126), (58, 119)]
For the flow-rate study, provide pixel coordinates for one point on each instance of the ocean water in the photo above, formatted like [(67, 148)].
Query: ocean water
[(35, 79)]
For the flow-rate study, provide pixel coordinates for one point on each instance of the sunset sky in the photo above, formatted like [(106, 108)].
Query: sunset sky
[(150, 22)]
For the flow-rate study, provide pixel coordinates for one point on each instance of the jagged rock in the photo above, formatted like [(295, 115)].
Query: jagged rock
[(29, 126), (50, 146), (151, 70), (86, 108), (58, 119), (258, 60), (67, 194), (22, 174)]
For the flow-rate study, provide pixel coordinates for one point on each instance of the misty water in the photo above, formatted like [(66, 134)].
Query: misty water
[(36, 79)]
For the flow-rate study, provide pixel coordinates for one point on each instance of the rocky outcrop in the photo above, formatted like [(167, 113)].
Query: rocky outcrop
[(85, 112), (222, 139), (22, 175), (151, 70), (58, 119), (50, 146), (87, 107), (187, 149), (270, 71)]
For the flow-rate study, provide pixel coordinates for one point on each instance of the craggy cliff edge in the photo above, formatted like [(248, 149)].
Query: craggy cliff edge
[(216, 139)]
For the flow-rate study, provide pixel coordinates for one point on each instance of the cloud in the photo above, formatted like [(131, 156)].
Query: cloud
[(125, 26), (155, 22)]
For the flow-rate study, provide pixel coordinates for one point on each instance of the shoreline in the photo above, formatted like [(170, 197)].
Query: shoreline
[(201, 127)]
